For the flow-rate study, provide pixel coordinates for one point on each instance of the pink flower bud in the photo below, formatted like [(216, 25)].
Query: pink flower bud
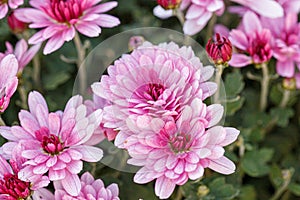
[(169, 4), (16, 25), (289, 83), (135, 42), (220, 50)]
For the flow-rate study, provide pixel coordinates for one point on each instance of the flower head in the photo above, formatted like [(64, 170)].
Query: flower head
[(16, 25), (8, 80), (54, 144), (220, 51), (59, 20), (22, 53), (174, 151), (4, 4), (169, 4), (154, 81), (286, 45), (253, 42), (90, 189)]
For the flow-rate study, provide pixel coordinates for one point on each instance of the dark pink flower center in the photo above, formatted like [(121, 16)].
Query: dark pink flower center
[(65, 10), (151, 91), (52, 145), (180, 143), (14, 187), (260, 48)]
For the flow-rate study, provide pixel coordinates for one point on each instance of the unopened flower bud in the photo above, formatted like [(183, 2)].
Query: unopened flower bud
[(135, 42), (220, 50), (289, 83), (169, 4), (16, 25)]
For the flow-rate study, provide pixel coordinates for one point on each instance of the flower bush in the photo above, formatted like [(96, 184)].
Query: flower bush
[(205, 105)]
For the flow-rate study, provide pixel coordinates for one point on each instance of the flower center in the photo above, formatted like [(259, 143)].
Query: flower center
[(180, 143), (150, 92), (65, 10), (14, 187), (52, 145), (260, 49)]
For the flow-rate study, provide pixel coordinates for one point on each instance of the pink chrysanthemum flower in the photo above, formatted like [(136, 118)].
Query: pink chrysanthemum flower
[(174, 151), (13, 188), (22, 53), (8, 80), (4, 4), (163, 13), (55, 144), (90, 189), (59, 20), (253, 42), (155, 81), (286, 46), (199, 13)]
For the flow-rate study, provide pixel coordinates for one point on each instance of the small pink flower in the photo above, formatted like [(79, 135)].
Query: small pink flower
[(266, 8), (219, 51), (169, 4), (22, 53), (163, 13), (4, 4), (286, 46), (54, 143), (253, 42), (90, 189), (59, 20), (174, 151), (8, 80), (15, 25), (12, 188), (154, 81), (199, 13)]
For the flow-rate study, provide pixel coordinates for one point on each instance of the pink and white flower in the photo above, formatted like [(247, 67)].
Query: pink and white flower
[(22, 53), (174, 151), (286, 45), (59, 20), (11, 187), (54, 143), (5, 4), (90, 189), (162, 13), (8, 79), (252, 41), (156, 81)]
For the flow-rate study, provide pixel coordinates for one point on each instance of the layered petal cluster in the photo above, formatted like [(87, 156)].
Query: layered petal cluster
[(54, 144), (286, 45), (174, 151), (12, 188), (90, 189), (22, 53), (252, 41), (155, 81), (59, 20), (6, 4), (8, 79)]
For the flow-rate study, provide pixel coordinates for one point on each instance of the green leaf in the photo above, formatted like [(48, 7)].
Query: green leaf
[(234, 84), (276, 176), (254, 163), (248, 193), (294, 188), (220, 190), (282, 116), (52, 81), (233, 107)]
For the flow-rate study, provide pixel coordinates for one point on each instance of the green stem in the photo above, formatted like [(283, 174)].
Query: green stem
[(264, 87), (179, 194), (80, 58), (23, 96), (285, 99), (2, 123), (287, 175), (180, 16), (210, 27), (219, 72), (37, 71)]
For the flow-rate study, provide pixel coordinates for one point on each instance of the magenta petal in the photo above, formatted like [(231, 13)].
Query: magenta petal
[(251, 23), (285, 68), (240, 60), (71, 183)]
